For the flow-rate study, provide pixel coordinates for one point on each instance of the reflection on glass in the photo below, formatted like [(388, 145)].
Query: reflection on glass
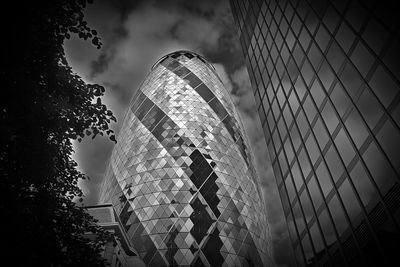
[(324, 178), (309, 109), (312, 149), (369, 108), (298, 179), (316, 237), (329, 116), (334, 164), (315, 193), (307, 207), (295, 136), (362, 59), (327, 227), (345, 37), (291, 226), (349, 200), (383, 86), (299, 217), (302, 123), (379, 168), (362, 183), (338, 215), (304, 163), (335, 56), (320, 134), (344, 147), (315, 56), (317, 93), (290, 188), (389, 139), (289, 150), (356, 128), (322, 37), (308, 251), (339, 99)]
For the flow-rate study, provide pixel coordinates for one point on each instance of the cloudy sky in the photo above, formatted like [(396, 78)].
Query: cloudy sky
[(135, 34)]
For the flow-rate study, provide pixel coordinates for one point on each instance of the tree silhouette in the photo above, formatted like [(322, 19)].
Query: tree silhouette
[(44, 106)]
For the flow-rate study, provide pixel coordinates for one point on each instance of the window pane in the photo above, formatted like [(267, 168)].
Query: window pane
[(294, 134), (326, 75), (320, 134), (362, 183), (282, 162), (315, 193), (290, 188), (316, 237), (307, 249), (329, 117), (335, 56), (375, 35), (315, 56), (298, 179), (287, 115), (322, 37), (289, 150), (351, 80), (324, 178), (298, 217), (349, 200), (369, 108), (284, 198), (312, 149), (307, 207), (362, 59), (317, 93), (389, 139), (383, 86), (345, 37), (344, 147), (302, 123), (338, 215), (327, 227), (307, 72), (294, 104), (304, 163), (309, 109), (340, 100), (291, 227), (379, 168), (300, 88), (356, 128), (334, 164)]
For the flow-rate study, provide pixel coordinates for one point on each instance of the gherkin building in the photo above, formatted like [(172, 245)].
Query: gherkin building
[(182, 176)]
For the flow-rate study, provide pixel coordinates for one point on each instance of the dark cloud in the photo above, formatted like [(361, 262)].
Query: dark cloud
[(135, 35)]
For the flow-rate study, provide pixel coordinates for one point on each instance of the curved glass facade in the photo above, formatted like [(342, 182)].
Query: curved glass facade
[(181, 176), (326, 80)]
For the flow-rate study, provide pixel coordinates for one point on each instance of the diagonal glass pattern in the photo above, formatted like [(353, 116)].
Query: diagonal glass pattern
[(326, 82), (182, 177)]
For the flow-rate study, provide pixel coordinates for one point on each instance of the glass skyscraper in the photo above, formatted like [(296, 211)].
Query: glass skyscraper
[(325, 76), (181, 177)]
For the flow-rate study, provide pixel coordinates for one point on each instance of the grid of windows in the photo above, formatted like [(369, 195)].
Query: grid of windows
[(181, 177), (326, 82)]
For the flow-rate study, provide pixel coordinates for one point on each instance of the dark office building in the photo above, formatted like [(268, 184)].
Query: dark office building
[(326, 76)]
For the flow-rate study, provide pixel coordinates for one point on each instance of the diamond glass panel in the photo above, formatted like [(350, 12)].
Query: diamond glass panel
[(182, 176)]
